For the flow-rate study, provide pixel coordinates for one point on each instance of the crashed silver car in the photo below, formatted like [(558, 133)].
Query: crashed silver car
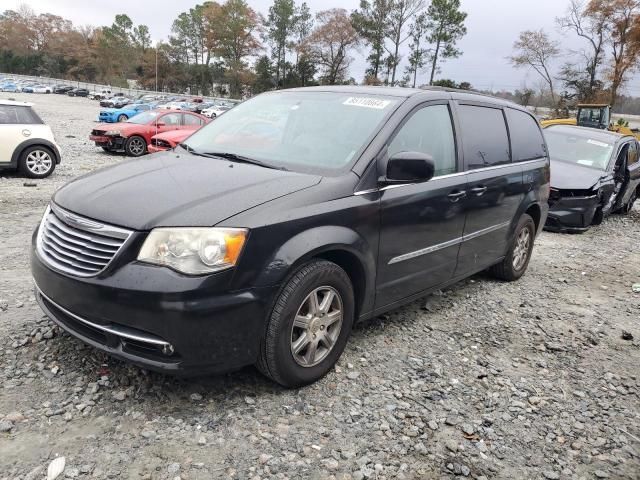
[(593, 173)]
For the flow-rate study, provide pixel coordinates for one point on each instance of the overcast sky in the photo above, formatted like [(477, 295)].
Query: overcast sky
[(492, 28)]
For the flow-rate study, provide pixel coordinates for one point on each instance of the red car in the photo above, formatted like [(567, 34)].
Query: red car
[(167, 140), (135, 134)]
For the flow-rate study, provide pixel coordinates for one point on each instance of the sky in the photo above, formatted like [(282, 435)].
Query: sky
[(492, 27)]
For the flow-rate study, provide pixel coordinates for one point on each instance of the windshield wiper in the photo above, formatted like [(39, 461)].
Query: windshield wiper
[(234, 157)]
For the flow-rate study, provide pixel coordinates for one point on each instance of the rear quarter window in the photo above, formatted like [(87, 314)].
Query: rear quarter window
[(485, 141), (527, 142), (18, 115)]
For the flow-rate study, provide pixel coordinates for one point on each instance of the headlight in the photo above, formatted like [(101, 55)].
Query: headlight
[(194, 251), (112, 132)]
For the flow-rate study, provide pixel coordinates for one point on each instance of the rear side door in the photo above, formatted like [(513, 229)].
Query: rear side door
[(632, 173), (421, 224), (495, 186)]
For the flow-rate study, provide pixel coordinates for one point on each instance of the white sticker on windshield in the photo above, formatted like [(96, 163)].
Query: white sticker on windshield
[(367, 102), (600, 144), (588, 163)]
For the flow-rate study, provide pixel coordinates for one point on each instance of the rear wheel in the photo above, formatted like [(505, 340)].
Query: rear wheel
[(309, 326), (517, 260), (37, 162), (135, 146)]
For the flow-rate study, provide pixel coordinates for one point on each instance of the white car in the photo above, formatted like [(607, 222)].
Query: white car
[(26, 142), (99, 94), (216, 111), (41, 89)]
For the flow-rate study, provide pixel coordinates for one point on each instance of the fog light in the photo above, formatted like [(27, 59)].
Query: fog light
[(168, 349)]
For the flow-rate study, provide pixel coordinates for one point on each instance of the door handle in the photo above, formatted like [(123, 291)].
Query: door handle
[(479, 191), (456, 196)]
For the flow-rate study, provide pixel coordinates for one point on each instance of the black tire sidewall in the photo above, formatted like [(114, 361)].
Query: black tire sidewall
[(128, 145), (23, 162), (284, 368), (525, 222)]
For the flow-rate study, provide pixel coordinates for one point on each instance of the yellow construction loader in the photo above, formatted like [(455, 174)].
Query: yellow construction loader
[(593, 116)]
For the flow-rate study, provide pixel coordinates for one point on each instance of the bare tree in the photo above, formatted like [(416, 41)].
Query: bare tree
[(590, 25), (534, 49), (401, 12), (330, 43)]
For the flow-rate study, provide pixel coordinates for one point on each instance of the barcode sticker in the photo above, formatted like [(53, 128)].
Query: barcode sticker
[(367, 102)]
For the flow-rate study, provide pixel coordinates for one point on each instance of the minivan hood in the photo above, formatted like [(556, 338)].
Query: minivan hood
[(570, 176), (170, 189)]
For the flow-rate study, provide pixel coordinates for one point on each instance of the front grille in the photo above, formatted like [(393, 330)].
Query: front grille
[(98, 132), (77, 245)]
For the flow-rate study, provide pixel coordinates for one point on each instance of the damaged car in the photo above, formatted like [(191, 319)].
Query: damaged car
[(132, 136), (593, 174)]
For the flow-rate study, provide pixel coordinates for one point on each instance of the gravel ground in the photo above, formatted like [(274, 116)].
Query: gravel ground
[(484, 380)]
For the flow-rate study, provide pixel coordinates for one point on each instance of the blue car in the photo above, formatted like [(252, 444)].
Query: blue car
[(9, 87), (113, 115)]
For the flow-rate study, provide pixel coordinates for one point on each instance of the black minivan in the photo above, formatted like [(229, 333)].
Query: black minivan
[(266, 234)]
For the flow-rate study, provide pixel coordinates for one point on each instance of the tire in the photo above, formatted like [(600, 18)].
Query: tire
[(629, 206), (277, 358), (135, 146), (122, 118), (517, 260), (37, 162)]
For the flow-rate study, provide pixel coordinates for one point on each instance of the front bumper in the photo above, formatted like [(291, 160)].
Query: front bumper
[(107, 141), (572, 214), (156, 318)]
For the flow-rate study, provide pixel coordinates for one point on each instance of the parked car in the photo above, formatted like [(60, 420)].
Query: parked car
[(593, 173), (26, 143), (9, 87), (256, 245), (117, 101), (215, 111), (100, 94), (135, 134), (112, 115), (167, 140), (78, 92), (62, 89), (42, 89)]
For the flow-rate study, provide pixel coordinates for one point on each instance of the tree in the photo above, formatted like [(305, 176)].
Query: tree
[(371, 22), (264, 75), (445, 27), (400, 13), (623, 17), (330, 43), (591, 25), (141, 38), (534, 49), (279, 26), (303, 27), (417, 55), (237, 27)]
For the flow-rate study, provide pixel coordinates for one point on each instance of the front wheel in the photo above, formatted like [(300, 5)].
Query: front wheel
[(517, 260), (309, 325), (122, 118), (37, 162), (135, 146), (629, 206)]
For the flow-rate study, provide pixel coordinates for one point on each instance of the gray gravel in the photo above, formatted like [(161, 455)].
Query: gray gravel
[(484, 380)]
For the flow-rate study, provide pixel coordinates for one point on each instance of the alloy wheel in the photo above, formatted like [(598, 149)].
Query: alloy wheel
[(39, 162), (136, 146), (316, 326), (521, 250)]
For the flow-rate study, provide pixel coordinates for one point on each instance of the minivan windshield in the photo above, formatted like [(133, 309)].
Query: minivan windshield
[(319, 132), (580, 150)]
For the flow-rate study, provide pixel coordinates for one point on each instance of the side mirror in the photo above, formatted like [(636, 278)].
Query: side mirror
[(409, 167), (161, 124)]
